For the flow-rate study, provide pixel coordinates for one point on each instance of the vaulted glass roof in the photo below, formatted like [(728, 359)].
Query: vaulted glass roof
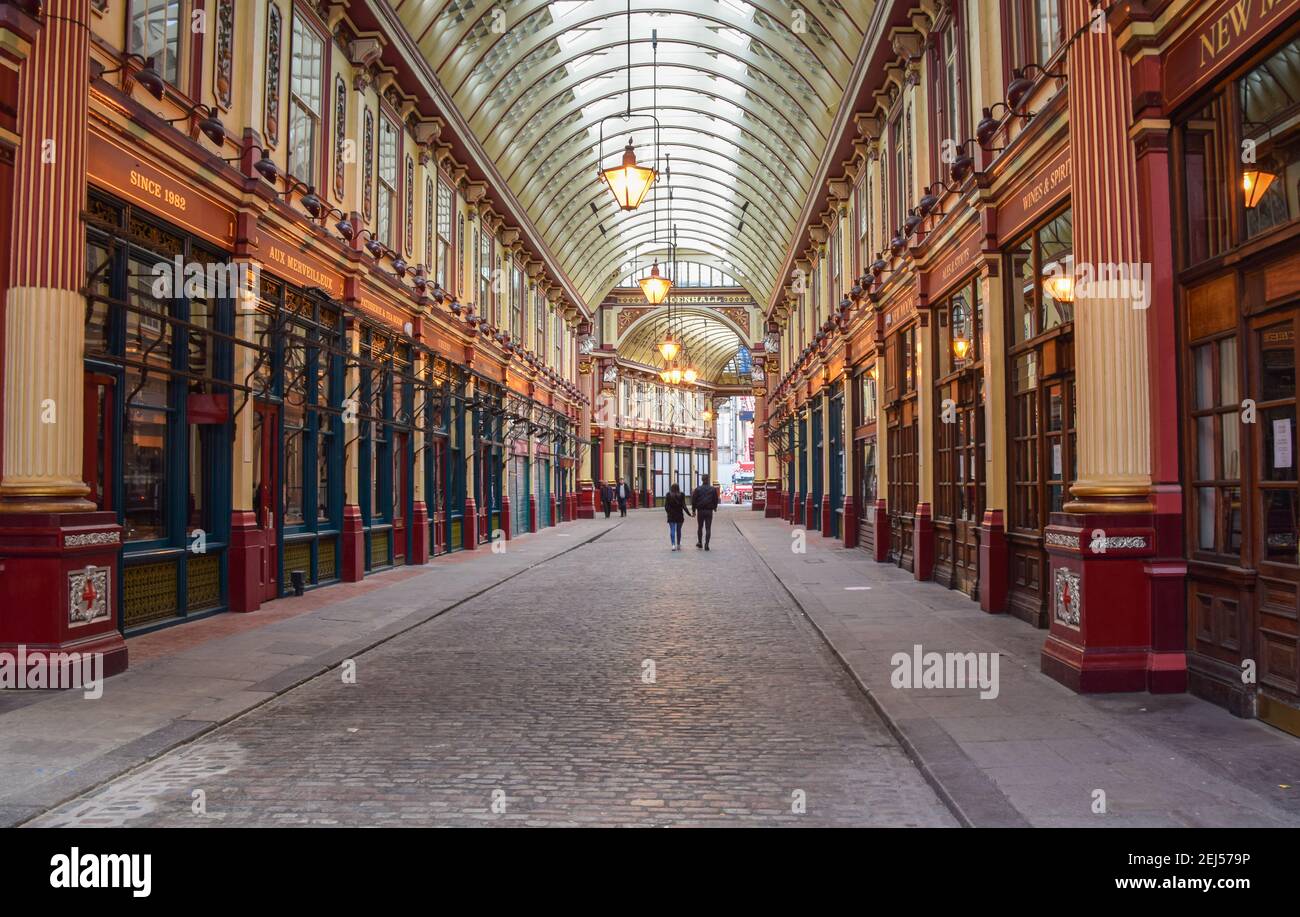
[(709, 342), (746, 94)]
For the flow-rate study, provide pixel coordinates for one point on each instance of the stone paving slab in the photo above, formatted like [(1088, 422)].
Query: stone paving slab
[(1036, 753), (185, 680), (535, 695)]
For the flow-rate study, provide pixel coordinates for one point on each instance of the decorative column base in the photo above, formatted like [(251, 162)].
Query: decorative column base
[(469, 526), (759, 503), (775, 502), (586, 500), (993, 562), (811, 519), (849, 521), (880, 531), (419, 553), (1100, 606), (354, 544), (439, 533), (532, 514), (553, 507), (827, 529), (58, 586), (506, 521), (244, 560), (923, 543)]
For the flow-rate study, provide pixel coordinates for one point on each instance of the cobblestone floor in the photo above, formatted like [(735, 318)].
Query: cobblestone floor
[(618, 684)]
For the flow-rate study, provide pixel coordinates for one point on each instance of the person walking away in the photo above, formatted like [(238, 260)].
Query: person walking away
[(606, 498), (675, 506), (705, 500), (623, 493)]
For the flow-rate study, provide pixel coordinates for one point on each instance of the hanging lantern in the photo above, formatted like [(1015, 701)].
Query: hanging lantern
[(675, 375), (1255, 181), (1058, 283), (960, 347), (655, 287), (629, 182), (666, 375), (690, 375), (707, 415), (668, 348)]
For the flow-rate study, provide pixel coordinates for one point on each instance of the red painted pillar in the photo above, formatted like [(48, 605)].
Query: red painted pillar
[(553, 519), (469, 526), (247, 541), (849, 523), (419, 554), (532, 513), (775, 504), (880, 527), (826, 516), (505, 516), (993, 561), (354, 544), (59, 554)]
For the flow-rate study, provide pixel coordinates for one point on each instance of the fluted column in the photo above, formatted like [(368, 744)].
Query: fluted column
[(1110, 335), (44, 308)]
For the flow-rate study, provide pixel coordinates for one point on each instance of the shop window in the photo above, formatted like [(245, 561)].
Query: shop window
[(483, 262), (386, 198), (1048, 27), (306, 77), (1042, 428), (1216, 462), (1269, 105), (442, 260), (156, 30), (516, 303)]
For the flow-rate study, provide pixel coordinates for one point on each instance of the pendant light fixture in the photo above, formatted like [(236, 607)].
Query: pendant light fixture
[(628, 181)]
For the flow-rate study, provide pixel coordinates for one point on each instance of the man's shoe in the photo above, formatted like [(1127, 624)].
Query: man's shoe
[(706, 547), (698, 545)]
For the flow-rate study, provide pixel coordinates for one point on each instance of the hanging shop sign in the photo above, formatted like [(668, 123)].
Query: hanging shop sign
[(115, 168), (1029, 200), (299, 267), (1223, 33)]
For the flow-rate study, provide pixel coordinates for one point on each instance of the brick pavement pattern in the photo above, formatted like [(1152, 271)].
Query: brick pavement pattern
[(617, 684)]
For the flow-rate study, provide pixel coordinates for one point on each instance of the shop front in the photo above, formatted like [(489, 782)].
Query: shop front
[(866, 451), (902, 429), (958, 341), (1238, 288), (158, 421)]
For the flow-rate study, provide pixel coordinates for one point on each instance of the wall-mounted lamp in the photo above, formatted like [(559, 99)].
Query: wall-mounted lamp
[(146, 75)]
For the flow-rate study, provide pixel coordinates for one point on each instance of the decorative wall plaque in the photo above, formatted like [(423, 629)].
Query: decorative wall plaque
[(1067, 597), (224, 62), (340, 138), (272, 126), (368, 151), (88, 597)]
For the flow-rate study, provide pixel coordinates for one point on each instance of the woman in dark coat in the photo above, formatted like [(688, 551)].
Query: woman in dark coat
[(675, 506)]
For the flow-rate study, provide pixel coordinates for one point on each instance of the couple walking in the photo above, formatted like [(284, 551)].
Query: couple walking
[(704, 499)]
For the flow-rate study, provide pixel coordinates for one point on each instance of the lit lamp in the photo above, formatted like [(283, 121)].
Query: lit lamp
[(707, 415), (629, 182), (1255, 180), (665, 375), (1058, 283), (690, 375), (655, 287), (668, 348), (960, 348), (675, 375)]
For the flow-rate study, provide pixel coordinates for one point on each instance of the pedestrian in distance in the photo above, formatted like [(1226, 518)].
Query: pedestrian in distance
[(705, 500), (607, 498), (675, 506), (623, 493)]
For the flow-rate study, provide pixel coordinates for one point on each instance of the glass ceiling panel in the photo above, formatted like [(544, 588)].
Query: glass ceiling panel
[(745, 92)]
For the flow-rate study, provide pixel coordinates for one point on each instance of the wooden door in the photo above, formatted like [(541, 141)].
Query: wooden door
[(1276, 520), (401, 493)]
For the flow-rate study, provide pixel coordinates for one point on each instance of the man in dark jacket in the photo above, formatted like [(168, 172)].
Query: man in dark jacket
[(622, 492), (704, 500), (606, 498)]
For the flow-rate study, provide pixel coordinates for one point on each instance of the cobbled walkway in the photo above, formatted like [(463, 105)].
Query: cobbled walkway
[(617, 684)]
